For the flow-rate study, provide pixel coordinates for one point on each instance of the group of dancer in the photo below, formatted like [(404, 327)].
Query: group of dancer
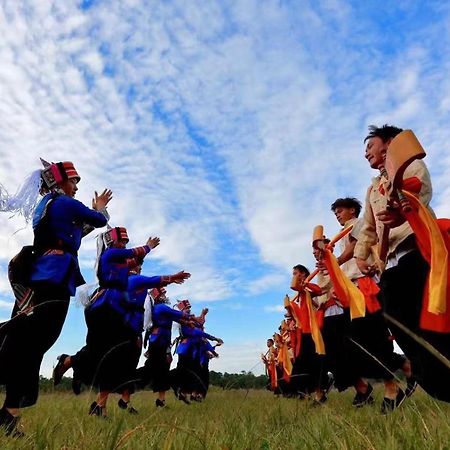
[(389, 282), (46, 274)]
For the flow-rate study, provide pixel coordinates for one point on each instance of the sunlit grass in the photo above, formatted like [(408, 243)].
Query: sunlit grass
[(234, 420)]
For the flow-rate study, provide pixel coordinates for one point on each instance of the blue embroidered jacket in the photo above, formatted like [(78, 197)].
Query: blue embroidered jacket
[(58, 228), (138, 286), (192, 340), (163, 317), (112, 274)]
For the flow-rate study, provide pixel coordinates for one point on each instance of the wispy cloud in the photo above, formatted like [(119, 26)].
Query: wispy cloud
[(225, 128)]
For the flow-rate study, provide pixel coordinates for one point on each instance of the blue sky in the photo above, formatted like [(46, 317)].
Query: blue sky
[(225, 128)]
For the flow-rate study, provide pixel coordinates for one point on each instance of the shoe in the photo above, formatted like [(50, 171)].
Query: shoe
[(388, 405), (362, 399), (160, 403), (96, 410), (9, 424), (126, 405), (59, 369), (411, 386), (183, 398)]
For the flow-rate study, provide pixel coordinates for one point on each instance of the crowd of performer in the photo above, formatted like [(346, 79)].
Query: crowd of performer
[(124, 304), (389, 281)]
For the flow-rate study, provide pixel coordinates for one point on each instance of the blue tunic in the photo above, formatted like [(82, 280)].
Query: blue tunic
[(191, 341), (112, 274), (58, 227), (138, 286), (162, 317)]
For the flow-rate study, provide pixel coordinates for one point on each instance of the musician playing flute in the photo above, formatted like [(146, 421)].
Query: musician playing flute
[(403, 282)]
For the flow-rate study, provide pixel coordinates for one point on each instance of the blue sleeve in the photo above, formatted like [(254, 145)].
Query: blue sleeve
[(173, 314), (82, 213), (136, 282), (119, 254), (196, 332)]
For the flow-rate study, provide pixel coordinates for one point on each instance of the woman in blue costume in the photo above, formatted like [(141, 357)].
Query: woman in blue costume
[(111, 344), (44, 290), (124, 318), (157, 366), (192, 351)]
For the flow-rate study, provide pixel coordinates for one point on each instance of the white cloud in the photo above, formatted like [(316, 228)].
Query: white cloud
[(274, 308), (229, 140)]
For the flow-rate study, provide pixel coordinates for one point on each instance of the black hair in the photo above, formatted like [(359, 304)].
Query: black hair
[(385, 132), (347, 202), (271, 340), (301, 269)]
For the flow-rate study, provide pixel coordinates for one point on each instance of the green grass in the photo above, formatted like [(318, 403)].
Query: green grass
[(234, 420)]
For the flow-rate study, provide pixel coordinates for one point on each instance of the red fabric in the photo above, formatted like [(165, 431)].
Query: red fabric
[(429, 321), (370, 290), (320, 317), (412, 184)]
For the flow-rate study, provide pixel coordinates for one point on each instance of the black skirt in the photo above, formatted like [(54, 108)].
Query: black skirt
[(24, 341), (188, 374), (156, 370), (112, 351)]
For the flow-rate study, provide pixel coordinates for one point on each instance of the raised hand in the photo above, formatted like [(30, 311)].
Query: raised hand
[(153, 242), (99, 202), (219, 341), (180, 277)]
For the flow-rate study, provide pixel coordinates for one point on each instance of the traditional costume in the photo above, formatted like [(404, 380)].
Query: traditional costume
[(308, 369), (194, 352), (43, 278), (157, 366), (414, 285), (373, 343)]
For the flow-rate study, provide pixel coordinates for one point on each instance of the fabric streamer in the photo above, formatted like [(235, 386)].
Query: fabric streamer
[(24, 201)]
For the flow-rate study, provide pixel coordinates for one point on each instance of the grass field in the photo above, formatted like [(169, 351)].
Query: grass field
[(234, 420)]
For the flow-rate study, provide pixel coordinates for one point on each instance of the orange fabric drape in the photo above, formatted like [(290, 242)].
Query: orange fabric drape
[(370, 290), (433, 241), (347, 293), (307, 319)]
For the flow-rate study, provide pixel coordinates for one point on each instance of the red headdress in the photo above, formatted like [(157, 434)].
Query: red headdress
[(55, 173), (183, 304)]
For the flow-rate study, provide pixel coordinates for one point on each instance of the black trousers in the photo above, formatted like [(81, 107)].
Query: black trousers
[(340, 353), (373, 348), (156, 370), (24, 342), (308, 371), (402, 289)]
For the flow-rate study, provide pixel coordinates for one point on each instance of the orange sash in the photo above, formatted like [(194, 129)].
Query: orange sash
[(433, 241)]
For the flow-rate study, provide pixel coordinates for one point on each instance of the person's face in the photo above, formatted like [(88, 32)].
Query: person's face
[(269, 343), (343, 215), (69, 187), (317, 253), (301, 276), (376, 152), (121, 243)]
